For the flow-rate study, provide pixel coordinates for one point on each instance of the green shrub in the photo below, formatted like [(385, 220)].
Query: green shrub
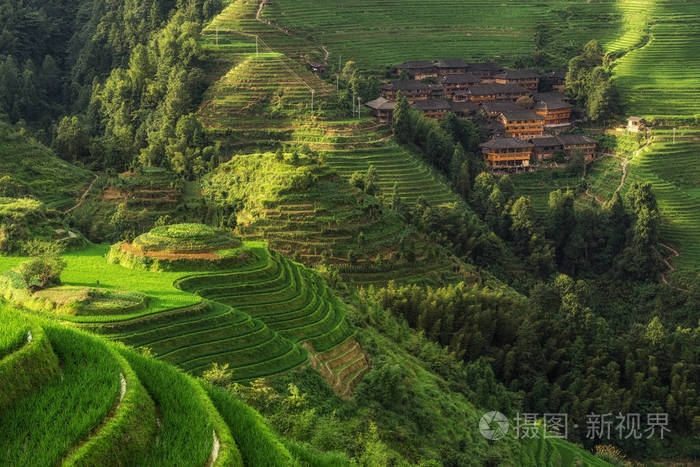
[(41, 272)]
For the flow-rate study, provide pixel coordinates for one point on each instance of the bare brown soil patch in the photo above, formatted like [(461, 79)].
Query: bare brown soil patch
[(169, 255)]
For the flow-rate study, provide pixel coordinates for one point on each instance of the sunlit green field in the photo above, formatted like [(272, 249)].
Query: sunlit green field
[(672, 169), (88, 268), (660, 79), (377, 34)]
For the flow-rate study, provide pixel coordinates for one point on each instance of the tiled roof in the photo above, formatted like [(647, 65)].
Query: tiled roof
[(551, 100), (432, 104), (451, 63), (506, 143), (464, 107), (521, 114), (405, 85), (518, 74), (545, 141), (575, 140), (416, 64), (488, 89), (380, 104), (461, 78)]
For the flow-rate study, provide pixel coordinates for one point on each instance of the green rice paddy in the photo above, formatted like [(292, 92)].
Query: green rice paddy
[(659, 80), (377, 34), (671, 168), (100, 409), (14, 331)]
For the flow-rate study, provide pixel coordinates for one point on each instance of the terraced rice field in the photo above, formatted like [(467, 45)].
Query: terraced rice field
[(660, 79), (377, 33), (636, 15), (153, 189), (538, 185), (325, 218), (108, 405), (604, 177), (65, 418), (343, 366), (322, 220), (261, 99), (352, 147), (672, 171), (254, 318), (287, 297), (40, 173)]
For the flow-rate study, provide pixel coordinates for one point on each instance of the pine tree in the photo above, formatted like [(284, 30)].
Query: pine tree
[(402, 119)]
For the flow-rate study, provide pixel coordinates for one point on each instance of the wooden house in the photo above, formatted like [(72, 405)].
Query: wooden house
[(522, 123), (545, 147), (436, 91), (573, 143), (494, 109), (465, 109), (317, 67), (495, 92), (420, 69), (484, 69), (635, 124), (433, 108), (451, 66), (507, 154), (454, 83), (382, 109), (525, 78), (413, 90), (557, 79), (555, 108)]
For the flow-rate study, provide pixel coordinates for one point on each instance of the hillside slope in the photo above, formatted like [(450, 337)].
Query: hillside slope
[(658, 77), (671, 168), (126, 409), (260, 307), (377, 34), (33, 170), (263, 100), (305, 210)]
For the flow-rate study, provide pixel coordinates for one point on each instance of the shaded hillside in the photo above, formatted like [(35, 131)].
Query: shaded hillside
[(28, 168), (305, 210)]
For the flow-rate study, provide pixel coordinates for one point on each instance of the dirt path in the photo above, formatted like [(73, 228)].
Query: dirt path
[(84, 195), (214, 451), (667, 260), (625, 164)]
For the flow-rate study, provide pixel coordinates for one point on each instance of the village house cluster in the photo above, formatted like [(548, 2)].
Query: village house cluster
[(526, 124)]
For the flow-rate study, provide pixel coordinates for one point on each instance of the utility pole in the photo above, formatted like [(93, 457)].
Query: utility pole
[(359, 107), (312, 100)]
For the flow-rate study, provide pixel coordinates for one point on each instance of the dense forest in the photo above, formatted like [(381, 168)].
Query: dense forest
[(105, 82)]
